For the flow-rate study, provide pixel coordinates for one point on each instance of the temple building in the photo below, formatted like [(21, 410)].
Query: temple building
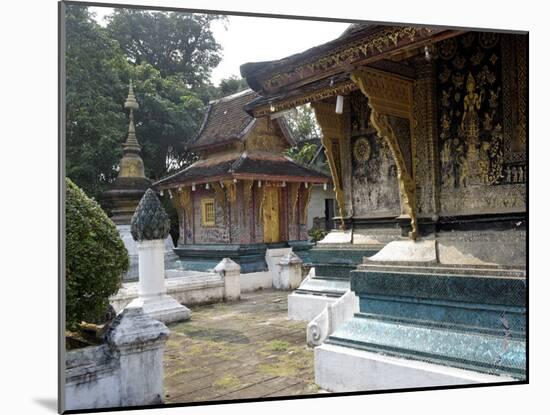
[(243, 198), (425, 131), (123, 195)]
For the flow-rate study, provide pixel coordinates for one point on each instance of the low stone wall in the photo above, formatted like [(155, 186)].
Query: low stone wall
[(186, 288), (193, 287), (126, 370)]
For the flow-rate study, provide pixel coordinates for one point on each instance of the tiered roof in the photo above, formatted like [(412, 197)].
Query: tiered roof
[(227, 121)]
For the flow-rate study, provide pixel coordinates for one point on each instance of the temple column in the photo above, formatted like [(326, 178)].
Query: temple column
[(333, 126), (390, 99)]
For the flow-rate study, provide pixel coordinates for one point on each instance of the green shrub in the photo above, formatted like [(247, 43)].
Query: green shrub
[(317, 234), (96, 258)]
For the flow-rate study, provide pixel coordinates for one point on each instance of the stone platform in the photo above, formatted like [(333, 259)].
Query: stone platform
[(423, 323)]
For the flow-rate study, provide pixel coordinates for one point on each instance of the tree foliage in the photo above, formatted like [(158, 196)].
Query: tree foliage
[(303, 124), (95, 120), (171, 104), (302, 153), (175, 43), (95, 258), (231, 85), (306, 131)]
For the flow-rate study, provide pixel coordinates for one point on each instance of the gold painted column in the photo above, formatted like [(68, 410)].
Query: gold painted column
[(391, 96), (333, 140)]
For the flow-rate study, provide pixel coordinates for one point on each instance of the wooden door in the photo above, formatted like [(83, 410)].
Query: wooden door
[(271, 215)]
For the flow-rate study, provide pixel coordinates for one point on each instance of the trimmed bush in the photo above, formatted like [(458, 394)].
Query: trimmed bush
[(317, 234), (96, 258)]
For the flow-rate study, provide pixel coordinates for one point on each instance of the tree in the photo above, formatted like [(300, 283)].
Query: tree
[(302, 153), (303, 124), (231, 85), (180, 44), (169, 117), (95, 120), (305, 130), (95, 259), (98, 73)]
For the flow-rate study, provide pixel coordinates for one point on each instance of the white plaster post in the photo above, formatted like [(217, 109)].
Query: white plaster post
[(150, 227), (151, 268), (230, 271), (290, 272), (139, 341)]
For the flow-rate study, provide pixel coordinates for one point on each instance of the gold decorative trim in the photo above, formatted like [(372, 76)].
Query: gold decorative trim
[(306, 193), (390, 95), (259, 206), (219, 196), (333, 128), (361, 49), (514, 97), (181, 199), (424, 139), (293, 195), (208, 212), (247, 192), (231, 188), (340, 89)]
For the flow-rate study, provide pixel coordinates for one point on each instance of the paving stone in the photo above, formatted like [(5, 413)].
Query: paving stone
[(238, 350)]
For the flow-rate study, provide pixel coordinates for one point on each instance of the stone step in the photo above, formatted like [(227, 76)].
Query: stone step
[(497, 355), (469, 270)]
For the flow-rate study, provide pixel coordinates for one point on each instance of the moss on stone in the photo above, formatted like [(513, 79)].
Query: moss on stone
[(179, 371), (227, 382), (278, 346)]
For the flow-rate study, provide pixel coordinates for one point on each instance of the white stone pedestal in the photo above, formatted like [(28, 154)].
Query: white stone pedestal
[(273, 258), (131, 246), (290, 272), (152, 287), (337, 236), (230, 271)]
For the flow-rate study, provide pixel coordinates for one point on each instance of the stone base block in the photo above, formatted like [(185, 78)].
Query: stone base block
[(343, 369), (337, 237), (163, 308), (305, 307), (186, 287)]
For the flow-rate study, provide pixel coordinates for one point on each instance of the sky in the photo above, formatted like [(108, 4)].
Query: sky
[(254, 39)]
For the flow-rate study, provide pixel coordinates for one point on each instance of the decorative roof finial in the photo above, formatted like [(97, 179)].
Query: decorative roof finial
[(131, 103)]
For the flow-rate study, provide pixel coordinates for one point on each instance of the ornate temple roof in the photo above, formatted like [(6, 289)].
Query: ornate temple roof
[(249, 166), (225, 120), (255, 72), (293, 80)]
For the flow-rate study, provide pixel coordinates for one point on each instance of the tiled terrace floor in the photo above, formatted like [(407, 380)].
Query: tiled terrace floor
[(239, 350)]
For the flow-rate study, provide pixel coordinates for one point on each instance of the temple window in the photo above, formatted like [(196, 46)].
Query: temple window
[(208, 214)]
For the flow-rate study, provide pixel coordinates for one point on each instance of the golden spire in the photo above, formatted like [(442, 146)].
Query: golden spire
[(131, 143), (131, 164)]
